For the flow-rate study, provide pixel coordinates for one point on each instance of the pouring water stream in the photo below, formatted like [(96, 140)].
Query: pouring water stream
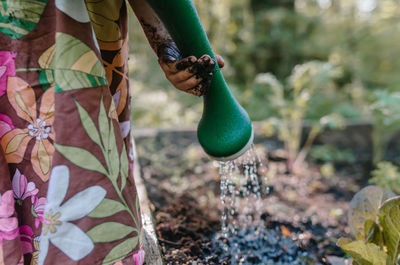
[(244, 238), (242, 185)]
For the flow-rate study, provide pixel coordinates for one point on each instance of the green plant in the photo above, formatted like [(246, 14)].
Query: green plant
[(291, 103), (385, 111), (374, 222), (387, 176), (331, 154)]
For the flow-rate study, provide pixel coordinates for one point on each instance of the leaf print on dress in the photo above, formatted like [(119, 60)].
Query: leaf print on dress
[(71, 64), (104, 14), (117, 68), (57, 227), (18, 18), (117, 168), (7, 68), (15, 143), (109, 232)]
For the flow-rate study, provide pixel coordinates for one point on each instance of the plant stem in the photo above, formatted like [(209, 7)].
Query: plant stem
[(315, 130)]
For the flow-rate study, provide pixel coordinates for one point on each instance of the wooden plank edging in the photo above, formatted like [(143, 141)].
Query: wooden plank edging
[(149, 237)]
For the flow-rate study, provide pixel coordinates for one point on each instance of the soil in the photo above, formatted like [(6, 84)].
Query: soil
[(183, 186)]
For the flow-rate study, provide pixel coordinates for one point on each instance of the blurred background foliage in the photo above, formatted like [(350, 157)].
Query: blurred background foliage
[(359, 38), (320, 61)]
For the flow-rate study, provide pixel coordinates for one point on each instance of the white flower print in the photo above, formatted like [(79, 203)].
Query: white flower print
[(57, 228)]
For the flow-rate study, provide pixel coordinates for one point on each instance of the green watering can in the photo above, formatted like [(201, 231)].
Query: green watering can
[(225, 130)]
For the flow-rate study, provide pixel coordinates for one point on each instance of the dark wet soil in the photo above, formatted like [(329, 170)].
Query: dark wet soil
[(183, 186)]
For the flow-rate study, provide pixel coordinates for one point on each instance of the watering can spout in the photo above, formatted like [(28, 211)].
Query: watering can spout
[(225, 130)]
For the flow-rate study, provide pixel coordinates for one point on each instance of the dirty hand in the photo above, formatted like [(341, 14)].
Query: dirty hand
[(192, 75)]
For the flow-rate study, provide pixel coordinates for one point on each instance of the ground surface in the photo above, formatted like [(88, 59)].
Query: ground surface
[(183, 186)]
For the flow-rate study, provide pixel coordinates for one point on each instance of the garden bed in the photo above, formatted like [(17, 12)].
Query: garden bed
[(308, 209)]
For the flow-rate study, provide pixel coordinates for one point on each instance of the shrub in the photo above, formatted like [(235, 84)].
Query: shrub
[(291, 102), (387, 176)]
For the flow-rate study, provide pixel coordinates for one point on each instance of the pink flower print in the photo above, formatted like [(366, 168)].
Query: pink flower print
[(22, 189), (139, 257), (7, 68), (38, 205), (26, 234), (6, 124), (8, 223)]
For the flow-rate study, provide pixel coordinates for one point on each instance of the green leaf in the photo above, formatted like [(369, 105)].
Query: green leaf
[(389, 219), (137, 210), (88, 124), (74, 63), (373, 233), (72, 53), (109, 232), (363, 253), (70, 79), (123, 183), (81, 157), (46, 79), (364, 206), (121, 250), (124, 167), (113, 156), (104, 125), (107, 208), (18, 18), (104, 14)]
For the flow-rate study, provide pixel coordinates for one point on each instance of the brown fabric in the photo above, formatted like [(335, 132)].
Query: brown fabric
[(67, 190)]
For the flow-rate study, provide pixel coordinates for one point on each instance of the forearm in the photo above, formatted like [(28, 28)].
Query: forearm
[(156, 33), (190, 74)]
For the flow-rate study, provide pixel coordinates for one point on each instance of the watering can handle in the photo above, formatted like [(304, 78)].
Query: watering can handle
[(183, 24)]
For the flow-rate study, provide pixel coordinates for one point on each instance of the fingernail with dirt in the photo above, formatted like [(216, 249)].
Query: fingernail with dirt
[(192, 69)]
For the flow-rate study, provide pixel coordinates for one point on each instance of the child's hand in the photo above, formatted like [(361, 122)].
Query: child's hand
[(189, 74)]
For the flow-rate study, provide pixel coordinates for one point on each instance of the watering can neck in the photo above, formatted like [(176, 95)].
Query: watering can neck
[(218, 96)]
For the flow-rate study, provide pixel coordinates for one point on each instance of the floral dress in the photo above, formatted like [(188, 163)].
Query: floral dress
[(67, 194)]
